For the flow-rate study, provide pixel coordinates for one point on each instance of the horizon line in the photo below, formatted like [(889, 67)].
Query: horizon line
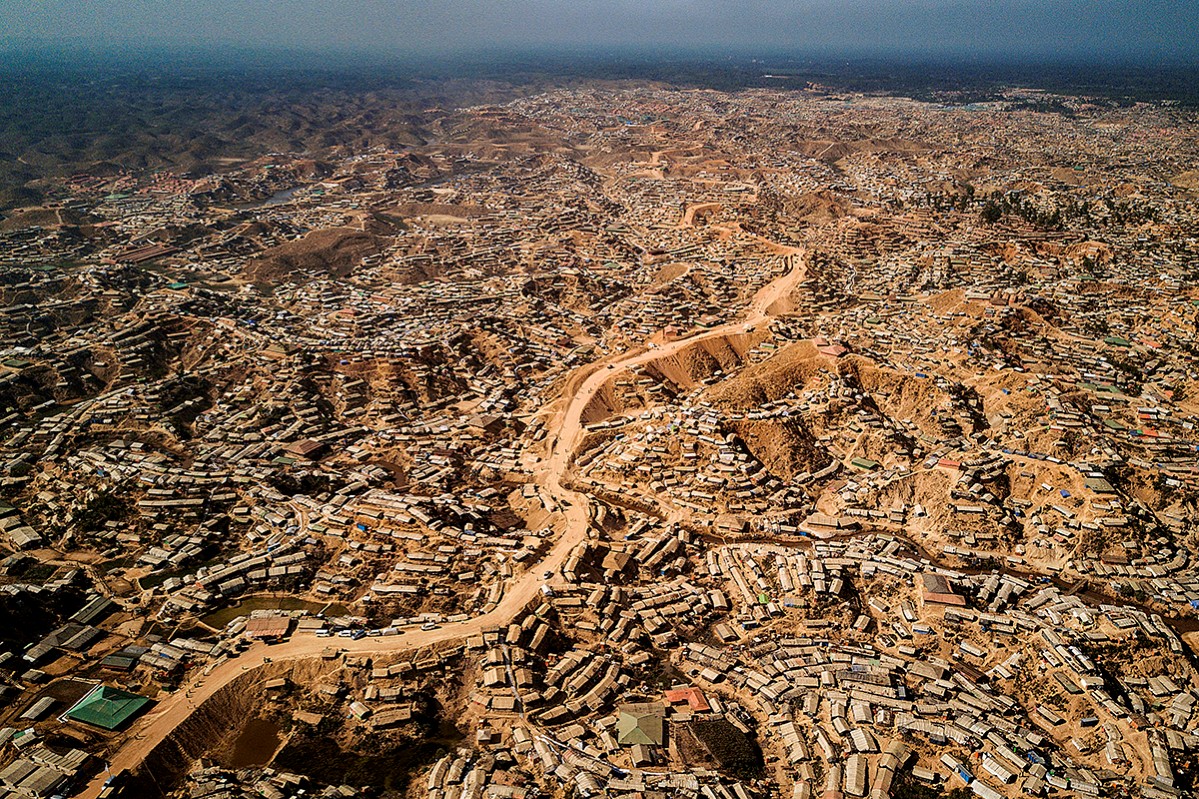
[(68, 51)]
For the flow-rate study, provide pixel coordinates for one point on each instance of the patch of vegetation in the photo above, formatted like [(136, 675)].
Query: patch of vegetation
[(375, 761), (905, 786), (106, 506), (736, 752)]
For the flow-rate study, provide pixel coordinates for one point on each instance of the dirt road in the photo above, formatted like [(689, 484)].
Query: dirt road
[(149, 731)]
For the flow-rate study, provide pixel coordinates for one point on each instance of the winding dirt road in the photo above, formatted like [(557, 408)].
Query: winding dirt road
[(153, 728)]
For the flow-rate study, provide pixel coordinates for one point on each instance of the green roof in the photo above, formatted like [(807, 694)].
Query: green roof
[(107, 707)]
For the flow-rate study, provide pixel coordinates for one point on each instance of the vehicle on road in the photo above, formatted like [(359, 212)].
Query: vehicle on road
[(114, 786)]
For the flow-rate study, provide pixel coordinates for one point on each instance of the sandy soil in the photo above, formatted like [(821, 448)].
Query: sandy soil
[(155, 727)]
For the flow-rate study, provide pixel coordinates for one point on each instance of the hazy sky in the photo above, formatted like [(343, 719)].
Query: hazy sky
[(1105, 28)]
